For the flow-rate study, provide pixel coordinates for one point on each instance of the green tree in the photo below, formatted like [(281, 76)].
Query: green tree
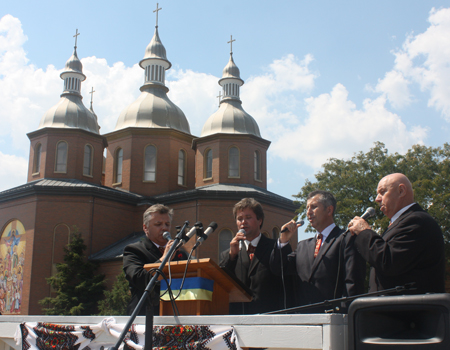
[(76, 285), (354, 182), (116, 300)]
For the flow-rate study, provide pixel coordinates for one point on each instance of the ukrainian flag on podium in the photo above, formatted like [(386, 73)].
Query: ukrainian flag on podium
[(194, 288)]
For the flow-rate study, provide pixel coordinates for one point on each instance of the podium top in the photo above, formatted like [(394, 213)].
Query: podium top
[(207, 268)]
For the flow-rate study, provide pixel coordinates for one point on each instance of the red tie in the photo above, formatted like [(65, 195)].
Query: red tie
[(162, 249), (251, 251), (318, 244)]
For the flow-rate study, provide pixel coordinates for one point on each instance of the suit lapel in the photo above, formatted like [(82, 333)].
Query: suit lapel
[(152, 249), (404, 215), (323, 250)]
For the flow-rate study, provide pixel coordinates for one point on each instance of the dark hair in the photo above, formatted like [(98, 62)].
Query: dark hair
[(325, 198), (251, 203), (156, 208)]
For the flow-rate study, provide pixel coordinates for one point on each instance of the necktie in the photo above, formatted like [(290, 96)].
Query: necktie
[(162, 249), (318, 244), (251, 251)]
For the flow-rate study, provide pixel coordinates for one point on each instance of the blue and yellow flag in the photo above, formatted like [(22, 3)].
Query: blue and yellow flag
[(194, 288)]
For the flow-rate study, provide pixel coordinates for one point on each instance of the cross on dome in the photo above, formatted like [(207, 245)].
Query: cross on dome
[(231, 43), (76, 37), (157, 10)]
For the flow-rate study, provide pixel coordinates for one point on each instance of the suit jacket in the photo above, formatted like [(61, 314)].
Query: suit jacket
[(410, 250), (337, 271), (266, 287), (135, 256)]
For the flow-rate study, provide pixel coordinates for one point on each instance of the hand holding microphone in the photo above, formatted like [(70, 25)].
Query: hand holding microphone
[(288, 230), (359, 224)]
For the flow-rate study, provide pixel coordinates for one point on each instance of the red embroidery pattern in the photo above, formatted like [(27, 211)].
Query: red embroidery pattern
[(182, 337)]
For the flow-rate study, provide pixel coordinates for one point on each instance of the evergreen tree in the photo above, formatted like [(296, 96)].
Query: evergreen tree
[(76, 285), (116, 300)]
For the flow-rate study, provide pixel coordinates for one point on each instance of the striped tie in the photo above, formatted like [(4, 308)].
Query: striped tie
[(318, 244)]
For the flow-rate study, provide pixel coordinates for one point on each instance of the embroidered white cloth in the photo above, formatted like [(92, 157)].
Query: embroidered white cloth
[(39, 335), (46, 336)]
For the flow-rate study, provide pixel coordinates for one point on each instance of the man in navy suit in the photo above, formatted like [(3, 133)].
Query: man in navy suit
[(152, 248), (327, 265), (410, 250), (248, 259)]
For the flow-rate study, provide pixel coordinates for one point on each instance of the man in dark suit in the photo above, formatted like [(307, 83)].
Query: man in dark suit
[(152, 248), (327, 265), (248, 259), (410, 250)]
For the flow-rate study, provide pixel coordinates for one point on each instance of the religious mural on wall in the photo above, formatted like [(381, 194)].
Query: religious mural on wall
[(12, 258)]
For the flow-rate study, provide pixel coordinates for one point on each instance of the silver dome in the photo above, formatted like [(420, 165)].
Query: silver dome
[(230, 119), (70, 112), (153, 109), (74, 65), (155, 50), (231, 70)]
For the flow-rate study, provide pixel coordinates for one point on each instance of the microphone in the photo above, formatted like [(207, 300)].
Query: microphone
[(367, 214), (166, 236), (212, 226), (198, 225), (241, 242), (299, 221)]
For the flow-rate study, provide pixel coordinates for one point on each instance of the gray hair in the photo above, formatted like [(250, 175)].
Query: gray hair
[(156, 208), (325, 198)]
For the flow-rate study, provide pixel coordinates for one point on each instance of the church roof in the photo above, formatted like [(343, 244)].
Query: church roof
[(64, 187), (115, 250)]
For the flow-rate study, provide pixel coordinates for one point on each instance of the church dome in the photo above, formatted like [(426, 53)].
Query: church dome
[(74, 65), (231, 70), (230, 119), (70, 112), (153, 109), (155, 50)]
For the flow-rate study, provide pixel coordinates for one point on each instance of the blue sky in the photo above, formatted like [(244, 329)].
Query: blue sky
[(322, 78)]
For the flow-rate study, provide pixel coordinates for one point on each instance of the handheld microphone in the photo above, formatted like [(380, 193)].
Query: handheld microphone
[(212, 226), (166, 236), (299, 221), (367, 214), (241, 242)]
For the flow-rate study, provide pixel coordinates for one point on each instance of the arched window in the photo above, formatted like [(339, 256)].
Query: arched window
[(182, 168), (150, 163), (208, 164), (225, 237), (118, 166), (61, 157), (37, 158), (233, 162), (87, 163), (257, 165)]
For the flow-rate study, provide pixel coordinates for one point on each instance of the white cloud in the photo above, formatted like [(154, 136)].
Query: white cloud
[(13, 171), (335, 128), (195, 93), (424, 59)]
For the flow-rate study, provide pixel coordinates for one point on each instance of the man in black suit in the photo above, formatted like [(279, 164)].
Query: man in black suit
[(152, 248), (248, 259), (410, 250), (327, 265)]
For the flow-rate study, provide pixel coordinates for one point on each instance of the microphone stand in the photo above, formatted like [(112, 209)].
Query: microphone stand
[(334, 304), (149, 310)]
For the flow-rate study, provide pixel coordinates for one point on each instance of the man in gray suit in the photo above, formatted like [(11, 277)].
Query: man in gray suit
[(327, 265)]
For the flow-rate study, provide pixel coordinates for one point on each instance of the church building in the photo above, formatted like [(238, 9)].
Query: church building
[(151, 157)]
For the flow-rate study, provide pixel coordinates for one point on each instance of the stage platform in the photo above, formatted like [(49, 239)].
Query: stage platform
[(314, 331)]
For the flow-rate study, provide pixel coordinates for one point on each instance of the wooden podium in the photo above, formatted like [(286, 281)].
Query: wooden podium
[(225, 291)]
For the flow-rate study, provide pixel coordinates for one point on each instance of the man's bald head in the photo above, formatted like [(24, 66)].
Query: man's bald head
[(394, 192)]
